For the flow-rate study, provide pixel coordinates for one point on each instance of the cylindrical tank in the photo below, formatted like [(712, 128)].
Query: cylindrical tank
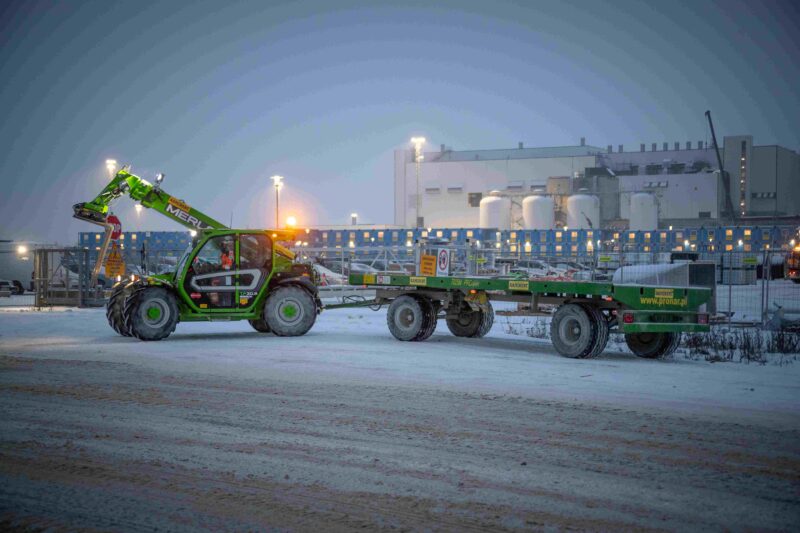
[(643, 212), (495, 212), (581, 207), (538, 212)]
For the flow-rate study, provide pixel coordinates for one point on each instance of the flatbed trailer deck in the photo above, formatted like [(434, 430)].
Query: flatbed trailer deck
[(652, 318)]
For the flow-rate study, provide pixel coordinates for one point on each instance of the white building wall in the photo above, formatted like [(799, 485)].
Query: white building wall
[(445, 185), (679, 196)]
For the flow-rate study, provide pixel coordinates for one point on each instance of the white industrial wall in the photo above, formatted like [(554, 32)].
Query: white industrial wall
[(683, 197), (450, 208)]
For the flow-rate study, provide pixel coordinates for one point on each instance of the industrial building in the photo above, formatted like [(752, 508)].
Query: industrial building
[(655, 186)]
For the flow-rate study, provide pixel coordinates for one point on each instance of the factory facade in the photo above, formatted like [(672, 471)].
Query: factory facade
[(446, 188)]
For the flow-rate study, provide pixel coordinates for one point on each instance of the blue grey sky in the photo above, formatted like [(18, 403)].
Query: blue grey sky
[(220, 95)]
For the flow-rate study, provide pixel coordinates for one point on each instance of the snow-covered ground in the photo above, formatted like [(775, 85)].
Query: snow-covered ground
[(224, 428), (355, 346)]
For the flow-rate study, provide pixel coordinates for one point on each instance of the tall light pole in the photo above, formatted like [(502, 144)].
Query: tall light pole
[(111, 166), (418, 142), (277, 182)]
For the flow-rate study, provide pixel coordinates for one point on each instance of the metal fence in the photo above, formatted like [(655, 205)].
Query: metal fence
[(749, 288)]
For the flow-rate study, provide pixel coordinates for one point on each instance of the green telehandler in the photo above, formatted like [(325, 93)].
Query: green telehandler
[(225, 274)]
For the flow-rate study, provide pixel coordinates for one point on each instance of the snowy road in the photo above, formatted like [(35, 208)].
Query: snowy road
[(345, 428)]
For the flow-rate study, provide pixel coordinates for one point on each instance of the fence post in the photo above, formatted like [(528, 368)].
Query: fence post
[(730, 287), (768, 279)]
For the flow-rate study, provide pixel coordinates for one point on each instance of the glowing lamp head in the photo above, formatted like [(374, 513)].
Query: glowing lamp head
[(22, 249), (291, 221)]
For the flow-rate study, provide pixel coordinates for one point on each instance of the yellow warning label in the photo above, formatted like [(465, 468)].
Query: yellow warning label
[(518, 285), (180, 204), (665, 293), (243, 300), (418, 280), (427, 265), (369, 279), (114, 264)]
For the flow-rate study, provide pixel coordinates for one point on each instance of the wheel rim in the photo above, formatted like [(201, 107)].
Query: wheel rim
[(155, 312), (405, 317), (290, 311), (570, 331)]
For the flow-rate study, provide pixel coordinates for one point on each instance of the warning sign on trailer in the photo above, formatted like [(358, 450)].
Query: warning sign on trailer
[(427, 265), (443, 262)]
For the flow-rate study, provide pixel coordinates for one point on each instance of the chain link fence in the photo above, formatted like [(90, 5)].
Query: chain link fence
[(750, 289)]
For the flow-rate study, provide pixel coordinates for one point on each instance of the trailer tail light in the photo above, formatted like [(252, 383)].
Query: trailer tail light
[(627, 318), (702, 318)]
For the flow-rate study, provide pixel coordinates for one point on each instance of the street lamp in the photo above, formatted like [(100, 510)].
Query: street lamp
[(139, 208), (111, 166), (291, 221), (277, 182), (418, 142)]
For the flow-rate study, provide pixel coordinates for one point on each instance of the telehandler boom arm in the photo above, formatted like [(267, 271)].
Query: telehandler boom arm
[(151, 196)]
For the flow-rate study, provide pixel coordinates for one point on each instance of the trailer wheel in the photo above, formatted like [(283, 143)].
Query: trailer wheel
[(470, 323), (406, 318), (602, 330), (115, 309), (574, 331), (430, 310), (290, 311), (260, 325), (653, 345), (151, 313)]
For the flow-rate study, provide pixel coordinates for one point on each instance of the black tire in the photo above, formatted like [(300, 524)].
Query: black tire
[(151, 313), (430, 309), (574, 331), (470, 323), (652, 345), (290, 311), (260, 325), (407, 318), (115, 309), (603, 330)]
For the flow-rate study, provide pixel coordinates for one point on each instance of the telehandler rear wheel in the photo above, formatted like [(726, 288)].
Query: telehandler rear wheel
[(115, 309), (290, 311), (260, 325), (151, 313)]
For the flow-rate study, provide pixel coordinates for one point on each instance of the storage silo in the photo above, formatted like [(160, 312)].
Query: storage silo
[(539, 212), (643, 212), (582, 208), (495, 212)]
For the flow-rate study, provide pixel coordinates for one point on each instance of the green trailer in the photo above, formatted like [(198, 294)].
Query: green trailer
[(584, 313)]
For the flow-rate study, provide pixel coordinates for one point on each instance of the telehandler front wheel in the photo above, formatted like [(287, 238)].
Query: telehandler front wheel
[(115, 309), (151, 313), (290, 311)]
